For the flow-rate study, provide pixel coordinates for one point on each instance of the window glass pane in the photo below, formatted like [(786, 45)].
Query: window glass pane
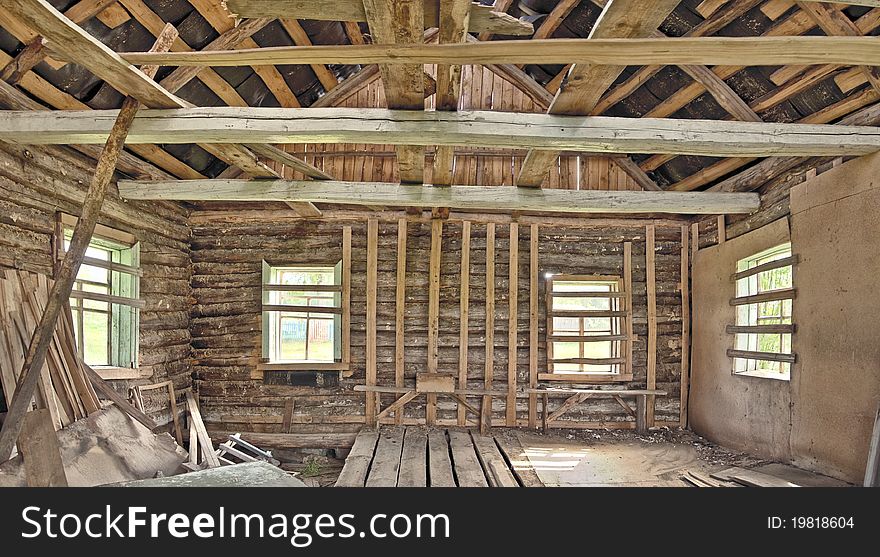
[(597, 325), (93, 274), (566, 350), (95, 305), (293, 338), (566, 303), (95, 331), (321, 340), (566, 325)]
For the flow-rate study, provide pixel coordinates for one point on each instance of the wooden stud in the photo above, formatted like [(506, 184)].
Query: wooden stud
[(434, 312), (372, 287), (399, 309), (651, 279), (722, 229), (513, 303), (490, 323), (346, 295), (685, 327), (464, 313), (533, 323), (627, 287)]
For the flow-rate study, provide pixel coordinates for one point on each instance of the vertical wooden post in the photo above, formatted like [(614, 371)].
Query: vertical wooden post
[(695, 239), (513, 303), (82, 235), (434, 312), (652, 319), (722, 229), (486, 408), (685, 328), (346, 297), (641, 414), (399, 315), (627, 286), (464, 311), (533, 324), (370, 407)]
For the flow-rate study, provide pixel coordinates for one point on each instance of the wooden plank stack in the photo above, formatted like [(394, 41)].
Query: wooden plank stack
[(63, 388)]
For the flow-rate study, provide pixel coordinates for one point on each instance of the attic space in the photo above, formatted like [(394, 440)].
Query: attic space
[(422, 243)]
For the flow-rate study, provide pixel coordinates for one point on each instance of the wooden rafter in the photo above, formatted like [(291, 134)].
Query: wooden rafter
[(585, 84), (301, 38), (485, 18)]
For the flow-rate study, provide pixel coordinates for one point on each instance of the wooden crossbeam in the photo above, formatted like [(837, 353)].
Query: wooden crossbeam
[(750, 51), (485, 18), (585, 83), (501, 129), (459, 197)]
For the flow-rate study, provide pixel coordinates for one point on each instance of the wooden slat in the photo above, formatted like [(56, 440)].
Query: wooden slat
[(464, 457), (533, 323), (303, 287), (496, 469), (627, 286), (785, 294), (357, 464), (346, 295), (386, 462), (195, 417), (372, 287), (762, 356), (759, 329), (512, 324), (464, 315), (434, 312), (872, 468), (301, 309), (400, 311), (489, 372), (414, 460), (754, 478), (775, 264), (651, 281), (396, 407), (484, 19), (439, 463)]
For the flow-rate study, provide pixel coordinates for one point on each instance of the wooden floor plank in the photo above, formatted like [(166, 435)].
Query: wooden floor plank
[(357, 464), (386, 463), (440, 466), (414, 461), (519, 462), (497, 471), (468, 470), (753, 478)]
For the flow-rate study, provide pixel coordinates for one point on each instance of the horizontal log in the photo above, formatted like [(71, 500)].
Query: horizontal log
[(409, 127), (460, 197), (482, 18), (731, 51)]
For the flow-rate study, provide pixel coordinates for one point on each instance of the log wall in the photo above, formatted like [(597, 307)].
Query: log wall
[(38, 182), (226, 324)]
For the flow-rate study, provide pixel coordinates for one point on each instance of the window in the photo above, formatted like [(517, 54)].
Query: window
[(105, 300), (763, 329), (588, 327), (302, 314)]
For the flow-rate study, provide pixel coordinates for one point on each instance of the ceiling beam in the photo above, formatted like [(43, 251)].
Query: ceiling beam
[(484, 17), (595, 134), (585, 83), (740, 51), (456, 197)]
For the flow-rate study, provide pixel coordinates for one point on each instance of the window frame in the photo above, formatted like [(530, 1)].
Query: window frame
[(340, 312), (621, 326), (121, 294), (746, 355)]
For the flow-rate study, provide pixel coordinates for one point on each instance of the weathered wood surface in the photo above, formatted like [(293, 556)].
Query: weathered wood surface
[(601, 134), (467, 467), (386, 462), (458, 197), (439, 464), (357, 463), (484, 18), (413, 464), (40, 452), (749, 51)]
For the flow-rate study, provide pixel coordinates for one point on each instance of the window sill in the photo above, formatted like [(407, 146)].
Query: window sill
[(586, 378), (303, 366), (775, 375), (110, 373)]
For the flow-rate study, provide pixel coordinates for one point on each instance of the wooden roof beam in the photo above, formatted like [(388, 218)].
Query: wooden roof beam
[(594, 134), (399, 23), (301, 38), (585, 83), (456, 197), (485, 18)]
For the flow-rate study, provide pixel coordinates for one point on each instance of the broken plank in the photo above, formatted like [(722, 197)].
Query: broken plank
[(496, 468), (464, 458), (357, 464), (439, 463)]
